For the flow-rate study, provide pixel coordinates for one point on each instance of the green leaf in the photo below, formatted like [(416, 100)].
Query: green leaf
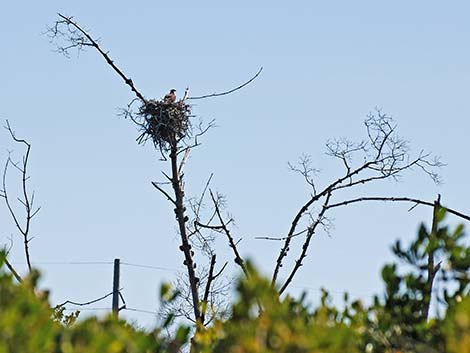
[(182, 334)]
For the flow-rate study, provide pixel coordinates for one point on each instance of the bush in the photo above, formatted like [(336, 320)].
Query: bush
[(262, 322)]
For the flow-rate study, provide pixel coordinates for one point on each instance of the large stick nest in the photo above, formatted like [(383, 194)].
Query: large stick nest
[(164, 123)]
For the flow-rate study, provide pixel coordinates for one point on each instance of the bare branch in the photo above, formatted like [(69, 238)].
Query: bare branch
[(183, 161), (201, 131), (327, 190), (7, 200), (305, 169), (384, 155), (185, 96), (230, 91), (88, 302), (238, 259), (207, 226), (27, 201), (78, 38), (310, 232), (220, 271), (210, 278), (282, 238), (398, 199), (203, 194), (128, 113), (288, 238), (200, 239), (215, 297), (163, 192)]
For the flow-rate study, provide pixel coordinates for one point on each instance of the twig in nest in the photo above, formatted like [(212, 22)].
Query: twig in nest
[(163, 123)]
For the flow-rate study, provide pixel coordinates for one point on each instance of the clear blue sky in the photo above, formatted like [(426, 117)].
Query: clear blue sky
[(326, 65)]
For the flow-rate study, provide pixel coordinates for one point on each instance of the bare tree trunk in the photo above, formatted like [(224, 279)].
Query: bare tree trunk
[(432, 269), (176, 180)]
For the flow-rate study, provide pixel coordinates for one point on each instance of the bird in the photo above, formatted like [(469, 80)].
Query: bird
[(170, 97)]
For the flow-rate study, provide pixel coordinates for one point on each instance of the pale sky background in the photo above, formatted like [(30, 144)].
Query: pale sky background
[(326, 65)]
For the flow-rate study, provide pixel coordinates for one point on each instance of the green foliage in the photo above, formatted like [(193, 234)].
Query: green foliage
[(457, 327), (66, 319), (29, 325), (402, 318), (451, 260), (25, 317), (399, 320), (263, 322), (108, 335)]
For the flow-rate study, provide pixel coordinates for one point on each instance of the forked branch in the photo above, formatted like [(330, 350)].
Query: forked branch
[(383, 155), (26, 200), (310, 232)]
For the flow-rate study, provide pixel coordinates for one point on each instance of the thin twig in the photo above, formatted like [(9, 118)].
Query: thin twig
[(155, 185), (202, 131), (238, 259), (88, 302), (203, 194), (282, 238), (220, 271), (230, 91), (208, 226)]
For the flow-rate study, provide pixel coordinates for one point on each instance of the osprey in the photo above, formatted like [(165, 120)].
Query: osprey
[(170, 97)]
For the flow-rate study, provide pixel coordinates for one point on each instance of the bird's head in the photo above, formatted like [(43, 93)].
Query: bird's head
[(173, 91)]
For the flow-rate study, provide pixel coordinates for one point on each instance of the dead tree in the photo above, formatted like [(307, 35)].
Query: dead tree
[(168, 126), (383, 155), (26, 199)]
